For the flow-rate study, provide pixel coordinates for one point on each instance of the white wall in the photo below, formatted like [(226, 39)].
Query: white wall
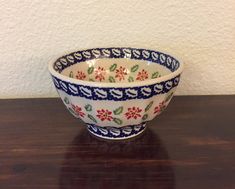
[(201, 33)]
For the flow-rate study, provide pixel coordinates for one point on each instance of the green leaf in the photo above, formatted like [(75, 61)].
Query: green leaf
[(66, 100), (145, 116), (113, 67), (169, 97), (91, 79), (148, 106), (117, 120), (71, 74), (155, 75), (118, 110), (135, 68), (90, 70), (111, 79), (88, 107), (91, 118), (130, 79)]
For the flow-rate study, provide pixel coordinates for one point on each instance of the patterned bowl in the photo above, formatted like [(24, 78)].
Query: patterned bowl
[(115, 91)]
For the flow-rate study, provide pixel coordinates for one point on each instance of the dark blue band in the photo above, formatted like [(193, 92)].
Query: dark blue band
[(133, 53), (116, 94)]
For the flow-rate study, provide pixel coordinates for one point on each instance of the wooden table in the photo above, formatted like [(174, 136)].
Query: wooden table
[(190, 146)]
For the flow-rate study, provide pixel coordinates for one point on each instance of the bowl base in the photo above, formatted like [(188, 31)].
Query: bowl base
[(115, 133)]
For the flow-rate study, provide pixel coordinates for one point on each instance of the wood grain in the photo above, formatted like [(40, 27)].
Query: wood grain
[(191, 145)]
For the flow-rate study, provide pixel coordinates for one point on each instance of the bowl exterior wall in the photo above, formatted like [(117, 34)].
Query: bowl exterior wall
[(116, 107)]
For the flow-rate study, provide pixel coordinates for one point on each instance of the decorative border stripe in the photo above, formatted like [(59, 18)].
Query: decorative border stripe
[(116, 94), (116, 133), (132, 53)]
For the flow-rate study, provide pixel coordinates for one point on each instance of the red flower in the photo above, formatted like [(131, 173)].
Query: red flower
[(78, 110), (80, 75), (142, 75), (100, 73), (104, 115), (158, 109), (120, 73), (133, 113)]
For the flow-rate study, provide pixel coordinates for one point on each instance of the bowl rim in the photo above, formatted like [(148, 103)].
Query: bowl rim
[(119, 84)]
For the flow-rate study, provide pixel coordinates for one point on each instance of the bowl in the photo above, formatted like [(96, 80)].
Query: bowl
[(116, 90)]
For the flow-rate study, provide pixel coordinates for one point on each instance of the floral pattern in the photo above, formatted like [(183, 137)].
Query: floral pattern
[(158, 109), (115, 74), (81, 75), (113, 115), (104, 115), (78, 110), (133, 113), (100, 73), (120, 73), (141, 76)]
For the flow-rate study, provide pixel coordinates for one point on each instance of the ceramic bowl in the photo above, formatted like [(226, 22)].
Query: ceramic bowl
[(115, 91)]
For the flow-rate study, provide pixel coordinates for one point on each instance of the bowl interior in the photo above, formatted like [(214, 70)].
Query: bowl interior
[(115, 70), (116, 65)]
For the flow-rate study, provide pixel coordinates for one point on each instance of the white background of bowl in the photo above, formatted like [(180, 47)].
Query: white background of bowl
[(201, 33)]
